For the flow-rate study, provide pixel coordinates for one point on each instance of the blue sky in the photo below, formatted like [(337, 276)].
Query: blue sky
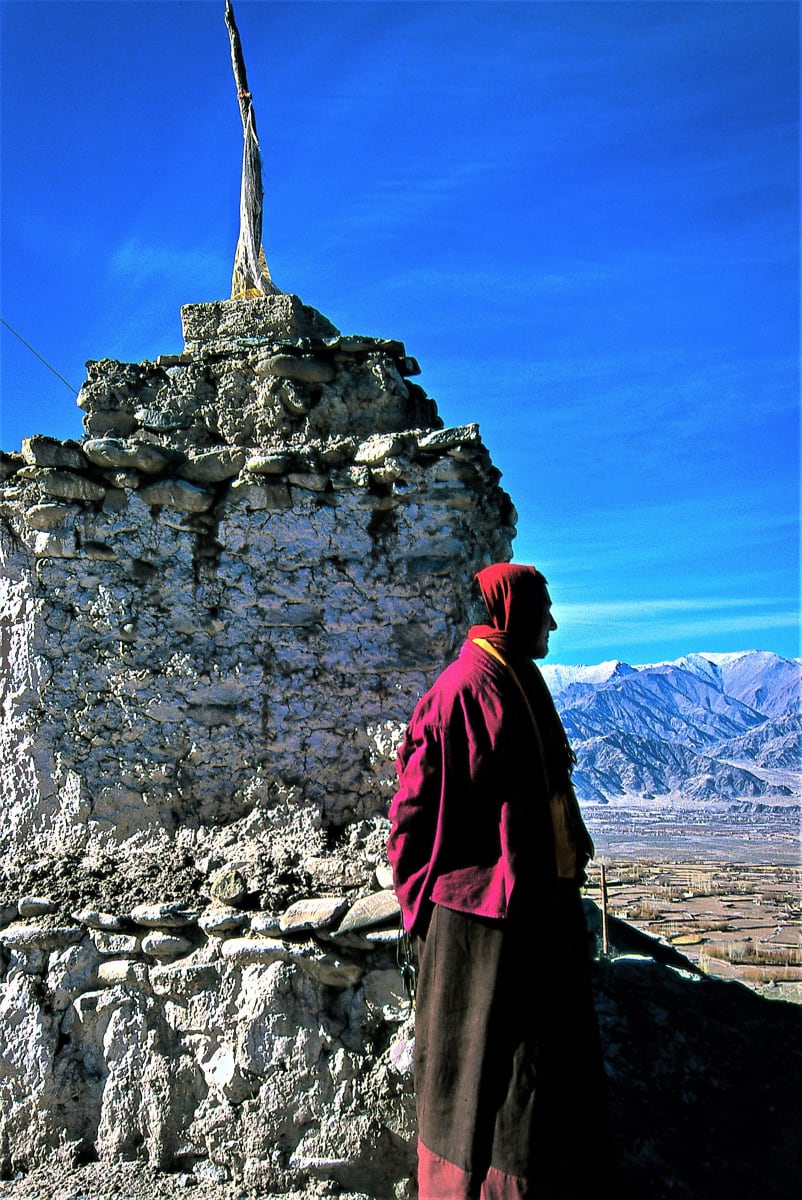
[(582, 219)]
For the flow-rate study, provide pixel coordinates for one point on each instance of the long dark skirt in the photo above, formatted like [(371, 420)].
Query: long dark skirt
[(508, 1069)]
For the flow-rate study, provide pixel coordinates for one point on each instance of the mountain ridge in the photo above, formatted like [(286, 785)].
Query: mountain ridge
[(711, 728)]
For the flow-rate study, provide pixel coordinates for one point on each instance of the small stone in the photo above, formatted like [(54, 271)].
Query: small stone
[(267, 464), (35, 906), (213, 466), (45, 517), (384, 876), (375, 449), (379, 937), (254, 950), (165, 945), (95, 919), (265, 923), (161, 420), (55, 545), (302, 367), (171, 914), (297, 400), (115, 944), (260, 496), (122, 971), (440, 440)]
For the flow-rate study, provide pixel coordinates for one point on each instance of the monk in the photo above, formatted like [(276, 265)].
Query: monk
[(488, 850)]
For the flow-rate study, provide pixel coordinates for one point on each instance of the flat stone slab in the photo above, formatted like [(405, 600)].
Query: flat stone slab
[(40, 937), (119, 453), (370, 910), (319, 913), (283, 315)]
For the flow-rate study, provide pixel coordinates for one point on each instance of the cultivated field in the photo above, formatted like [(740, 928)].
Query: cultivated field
[(726, 893)]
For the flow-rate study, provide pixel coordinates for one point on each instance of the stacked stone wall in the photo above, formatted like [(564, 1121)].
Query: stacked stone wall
[(217, 611)]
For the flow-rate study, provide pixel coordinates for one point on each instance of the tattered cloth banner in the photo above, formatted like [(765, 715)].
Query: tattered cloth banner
[(250, 277)]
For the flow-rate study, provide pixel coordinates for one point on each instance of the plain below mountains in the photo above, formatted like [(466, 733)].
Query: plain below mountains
[(723, 729)]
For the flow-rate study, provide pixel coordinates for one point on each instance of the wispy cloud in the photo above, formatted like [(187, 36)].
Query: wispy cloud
[(614, 629), (141, 264)]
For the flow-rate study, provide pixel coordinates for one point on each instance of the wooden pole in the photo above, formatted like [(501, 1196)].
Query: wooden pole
[(250, 277), (605, 940)]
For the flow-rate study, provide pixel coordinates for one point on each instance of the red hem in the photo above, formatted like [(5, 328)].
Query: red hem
[(439, 1179)]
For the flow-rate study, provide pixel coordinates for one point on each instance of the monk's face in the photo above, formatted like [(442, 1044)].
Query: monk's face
[(547, 625)]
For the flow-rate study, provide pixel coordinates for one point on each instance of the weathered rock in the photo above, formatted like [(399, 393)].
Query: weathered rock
[(268, 464), (116, 943), (44, 517), (329, 969), (40, 937), (94, 919), (282, 316), (229, 886), (122, 972), (219, 921), (255, 950)]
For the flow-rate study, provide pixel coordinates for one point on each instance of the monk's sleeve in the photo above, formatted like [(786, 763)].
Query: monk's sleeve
[(415, 820)]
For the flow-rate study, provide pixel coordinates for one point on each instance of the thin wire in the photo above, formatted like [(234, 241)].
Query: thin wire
[(74, 390)]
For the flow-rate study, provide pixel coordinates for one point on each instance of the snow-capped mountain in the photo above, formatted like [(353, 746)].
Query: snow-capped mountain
[(720, 728)]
